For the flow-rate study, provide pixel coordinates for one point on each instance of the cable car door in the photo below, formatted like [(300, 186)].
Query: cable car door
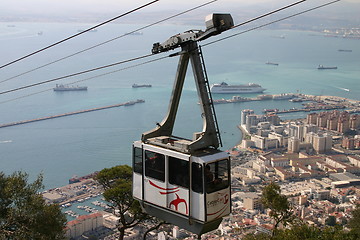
[(166, 190), (218, 194)]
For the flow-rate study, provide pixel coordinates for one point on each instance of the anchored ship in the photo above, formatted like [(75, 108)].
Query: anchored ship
[(272, 63), (243, 88), (321, 67), (62, 87), (141, 85)]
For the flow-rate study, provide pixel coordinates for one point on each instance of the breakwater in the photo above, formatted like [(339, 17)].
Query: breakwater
[(70, 113)]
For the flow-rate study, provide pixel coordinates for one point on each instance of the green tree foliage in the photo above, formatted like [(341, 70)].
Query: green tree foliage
[(331, 221), (24, 213), (303, 231), (278, 204), (117, 183), (281, 213), (306, 232), (252, 189), (354, 223)]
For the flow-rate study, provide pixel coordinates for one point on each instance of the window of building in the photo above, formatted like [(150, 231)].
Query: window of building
[(179, 172), (217, 175), (137, 160), (155, 165)]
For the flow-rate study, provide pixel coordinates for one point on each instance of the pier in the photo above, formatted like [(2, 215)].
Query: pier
[(71, 113)]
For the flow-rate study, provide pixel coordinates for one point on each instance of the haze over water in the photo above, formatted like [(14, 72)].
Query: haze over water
[(84, 143)]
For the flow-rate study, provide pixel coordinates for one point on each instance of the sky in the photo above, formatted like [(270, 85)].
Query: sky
[(87, 8)]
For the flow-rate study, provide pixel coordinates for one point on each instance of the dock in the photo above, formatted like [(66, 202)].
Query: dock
[(71, 113)]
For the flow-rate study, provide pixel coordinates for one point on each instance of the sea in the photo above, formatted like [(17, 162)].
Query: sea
[(80, 144)]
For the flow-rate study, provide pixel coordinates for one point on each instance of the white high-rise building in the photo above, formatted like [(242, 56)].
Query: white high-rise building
[(322, 142), (294, 145), (310, 128), (251, 120), (244, 113)]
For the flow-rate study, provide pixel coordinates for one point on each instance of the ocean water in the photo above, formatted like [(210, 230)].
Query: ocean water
[(80, 144)]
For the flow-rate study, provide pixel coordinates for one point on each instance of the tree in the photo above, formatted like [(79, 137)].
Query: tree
[(252, 189), (301, 231), (278, 204), (330, 221), (354, 222), (117, 184), (24, 213), (306, 232)]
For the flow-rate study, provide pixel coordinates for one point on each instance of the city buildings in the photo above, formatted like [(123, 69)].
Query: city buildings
[(84, 223), (315, 134)]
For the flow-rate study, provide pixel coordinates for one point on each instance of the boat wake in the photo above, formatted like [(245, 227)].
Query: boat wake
[(6, 141), (345, 89)]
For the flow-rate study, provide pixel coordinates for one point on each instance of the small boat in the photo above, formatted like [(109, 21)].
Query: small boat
[(141, 85), (345, 50), (321, 67), (272, 63), (267, 110), (129, 103), (296, 100), (62, 87)]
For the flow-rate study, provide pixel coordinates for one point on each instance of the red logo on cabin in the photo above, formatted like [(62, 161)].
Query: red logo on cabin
[(176, 202), (220, 204)]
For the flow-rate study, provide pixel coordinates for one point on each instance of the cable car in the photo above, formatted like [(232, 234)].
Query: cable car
[(191, 191), (181, 181)]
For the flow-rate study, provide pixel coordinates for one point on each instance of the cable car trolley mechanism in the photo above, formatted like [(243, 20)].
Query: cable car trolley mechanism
[(181, 181)]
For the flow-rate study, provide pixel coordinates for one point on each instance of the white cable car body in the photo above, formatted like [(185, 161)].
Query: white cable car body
[(181, 181), (173, 186)]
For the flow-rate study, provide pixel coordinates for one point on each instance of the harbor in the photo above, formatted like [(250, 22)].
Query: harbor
[(71, 113), (313, 103)]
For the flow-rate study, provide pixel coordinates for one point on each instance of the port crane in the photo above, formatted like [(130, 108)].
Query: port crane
[(185, 182)]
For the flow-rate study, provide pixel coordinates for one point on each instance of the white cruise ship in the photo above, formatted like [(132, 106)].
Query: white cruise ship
[(244, 88)]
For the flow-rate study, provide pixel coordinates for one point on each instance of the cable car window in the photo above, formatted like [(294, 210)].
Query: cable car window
[(137, 160), (155, 165), (216, 176), (179, 172), (197, 178)]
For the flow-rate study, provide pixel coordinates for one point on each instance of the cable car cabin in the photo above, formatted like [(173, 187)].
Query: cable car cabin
[(185, 182), (190, 191)]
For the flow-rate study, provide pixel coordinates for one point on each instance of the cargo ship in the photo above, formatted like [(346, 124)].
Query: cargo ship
[(243, 88), (321, 67), (272, 63), (141, 85), (62, 87)]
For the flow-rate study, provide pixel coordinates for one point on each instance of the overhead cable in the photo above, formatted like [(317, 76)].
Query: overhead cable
[(272, 22), (75, 74), (171, 55), (89, 78), (100, 44), (268, 14), (75, 35)]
